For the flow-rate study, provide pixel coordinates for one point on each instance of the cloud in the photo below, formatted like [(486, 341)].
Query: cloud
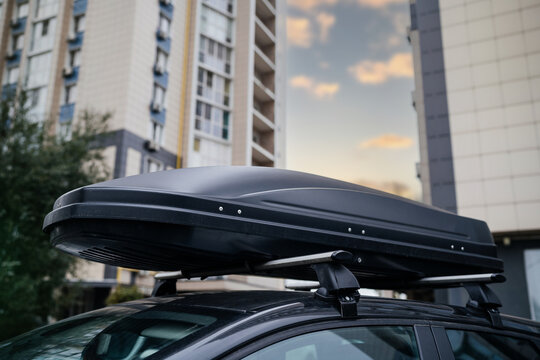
[(320, 90), (325, 21), (378, 72), (324, 65), (387, 141), (308, 5), (299, 32), (378, 4)]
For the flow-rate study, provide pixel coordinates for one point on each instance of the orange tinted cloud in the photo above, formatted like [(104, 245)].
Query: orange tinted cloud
[(299, 32), (377, 72), (378, 3), (320, 90), (387, 141), (308, 5), (325, 21)]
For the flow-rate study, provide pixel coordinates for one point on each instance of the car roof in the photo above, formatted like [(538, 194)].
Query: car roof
[(256, 302)]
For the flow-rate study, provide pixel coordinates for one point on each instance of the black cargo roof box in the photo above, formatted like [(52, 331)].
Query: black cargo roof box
[(210, 217)]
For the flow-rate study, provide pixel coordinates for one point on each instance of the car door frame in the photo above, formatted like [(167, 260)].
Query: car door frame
[(425, 340), (443, 343)]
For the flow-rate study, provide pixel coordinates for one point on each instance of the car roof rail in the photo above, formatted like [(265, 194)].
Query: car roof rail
[(339, 285)]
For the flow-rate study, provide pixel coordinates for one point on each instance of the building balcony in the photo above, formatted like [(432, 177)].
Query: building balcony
[(261, 156), (265, 108), (266, 12), (79, 7), (18, 26), (67, 112), (164, 43), (75, 41), (162, 79), (166, 8), (8, 90), (261, 123), (14, 58), (158, 116), (263, 64), (71, 75), (263, 35), (261, 91)]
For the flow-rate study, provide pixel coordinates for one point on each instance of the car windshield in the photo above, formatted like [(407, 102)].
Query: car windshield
[(119, 332)]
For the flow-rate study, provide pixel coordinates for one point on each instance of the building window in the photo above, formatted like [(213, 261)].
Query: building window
[(17, 42), (164, 25), (153, 165), (45, 28), (74, 58), (159, 97), (38, 70), (22, 10), (156, 132), (532, 273), (64, 131), (212, 120), (78, 23), (12, 75), (43, 35), (33, 98), (70, 94), (215, 25), (197, 144), (46, 8), (161, 61), (215, 54)]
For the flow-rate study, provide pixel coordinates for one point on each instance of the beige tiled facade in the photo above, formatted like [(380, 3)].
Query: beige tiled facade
[(479, 119), (492, 66)]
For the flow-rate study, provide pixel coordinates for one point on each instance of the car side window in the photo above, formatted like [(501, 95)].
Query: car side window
[(359, 343), (472, 345)]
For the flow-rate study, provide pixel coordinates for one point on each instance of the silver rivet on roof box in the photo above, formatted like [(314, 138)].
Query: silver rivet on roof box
[(239, 211), (221, 208), (462, 248), (451, 246), (349, 229), (363, 231)]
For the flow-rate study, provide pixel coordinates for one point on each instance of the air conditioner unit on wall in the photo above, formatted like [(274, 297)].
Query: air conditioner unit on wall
[(14, 22), (72, 36), (67, 71), (10, 55), (156, 106), (160, 69), (166, 2), (162, 34), (151, 145)]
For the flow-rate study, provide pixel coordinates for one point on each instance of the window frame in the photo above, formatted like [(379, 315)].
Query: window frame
[(443, 342), (424, 339)]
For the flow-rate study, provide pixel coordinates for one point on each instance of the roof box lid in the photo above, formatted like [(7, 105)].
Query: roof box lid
[(221, 216)]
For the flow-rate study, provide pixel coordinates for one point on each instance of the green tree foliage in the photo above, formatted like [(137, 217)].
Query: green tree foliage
[(37, 166), (124, 293)]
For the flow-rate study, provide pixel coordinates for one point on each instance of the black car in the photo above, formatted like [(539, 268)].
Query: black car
[(216, 221)]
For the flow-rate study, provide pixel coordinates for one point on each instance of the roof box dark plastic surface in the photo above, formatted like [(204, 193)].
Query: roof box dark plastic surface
[(194, 218)]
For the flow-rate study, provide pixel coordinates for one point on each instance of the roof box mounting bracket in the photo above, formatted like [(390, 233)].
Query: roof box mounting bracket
[(338, 284), (164, 287), (483, 298)]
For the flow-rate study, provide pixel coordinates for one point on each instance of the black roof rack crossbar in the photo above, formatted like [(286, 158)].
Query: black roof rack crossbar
[(338, 284), (339, 256)]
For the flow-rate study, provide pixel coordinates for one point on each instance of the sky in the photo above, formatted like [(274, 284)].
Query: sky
[(349, 106)]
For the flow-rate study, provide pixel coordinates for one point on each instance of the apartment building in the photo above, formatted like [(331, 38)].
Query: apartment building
[(188, 82), (477, 97)]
